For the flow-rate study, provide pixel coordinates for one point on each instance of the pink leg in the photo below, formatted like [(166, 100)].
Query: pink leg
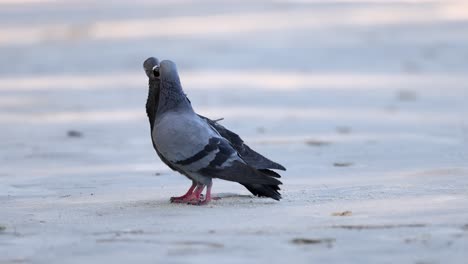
[(181, 199), (208, 197), (197, 195)]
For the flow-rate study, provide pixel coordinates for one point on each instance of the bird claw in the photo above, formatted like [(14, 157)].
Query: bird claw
[(177, 200), (198, 202), (202, 201), (196, 197), (186, 199)]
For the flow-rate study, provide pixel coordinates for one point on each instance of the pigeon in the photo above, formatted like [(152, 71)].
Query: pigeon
[(200, 148)]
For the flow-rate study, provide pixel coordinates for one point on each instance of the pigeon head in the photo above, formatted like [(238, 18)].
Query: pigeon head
[(151, 66), (168, 72), (165, 91)]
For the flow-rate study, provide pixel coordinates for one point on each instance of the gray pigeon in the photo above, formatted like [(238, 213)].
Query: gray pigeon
[(198, 147)]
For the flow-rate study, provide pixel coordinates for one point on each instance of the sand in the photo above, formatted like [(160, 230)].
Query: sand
[(363, 102)]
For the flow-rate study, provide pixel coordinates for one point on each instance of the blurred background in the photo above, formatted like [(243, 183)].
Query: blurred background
[(277, 71), (358, 99)]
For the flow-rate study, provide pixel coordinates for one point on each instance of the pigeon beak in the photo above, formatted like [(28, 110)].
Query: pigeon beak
[(156, 71)]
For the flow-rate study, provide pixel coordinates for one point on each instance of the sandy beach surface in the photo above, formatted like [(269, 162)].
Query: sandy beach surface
[(364, 102)]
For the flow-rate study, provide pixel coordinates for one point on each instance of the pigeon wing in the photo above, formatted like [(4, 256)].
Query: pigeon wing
[(218, 159), (249, 155)]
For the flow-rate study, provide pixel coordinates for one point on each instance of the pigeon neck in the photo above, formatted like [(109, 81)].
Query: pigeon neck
[(152, 101), (172, 97)]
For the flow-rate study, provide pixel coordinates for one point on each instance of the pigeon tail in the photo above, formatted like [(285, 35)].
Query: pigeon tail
[(241, 173), (264, 190)]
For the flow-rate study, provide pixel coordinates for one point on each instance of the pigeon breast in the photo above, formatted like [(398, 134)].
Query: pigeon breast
[(180, 136)]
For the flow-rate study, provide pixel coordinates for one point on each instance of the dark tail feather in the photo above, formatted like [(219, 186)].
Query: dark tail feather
[(262, 182), (264, 190), (242, 173), (256, 160), (270, 173)]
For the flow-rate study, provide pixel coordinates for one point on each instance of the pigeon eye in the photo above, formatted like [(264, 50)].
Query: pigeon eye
[(156, 71)]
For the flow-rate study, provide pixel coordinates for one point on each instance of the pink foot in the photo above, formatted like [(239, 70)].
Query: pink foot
[(197, 196), (183, 198), (187, 199), (205, 201), (194, 194), (180, 199)]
